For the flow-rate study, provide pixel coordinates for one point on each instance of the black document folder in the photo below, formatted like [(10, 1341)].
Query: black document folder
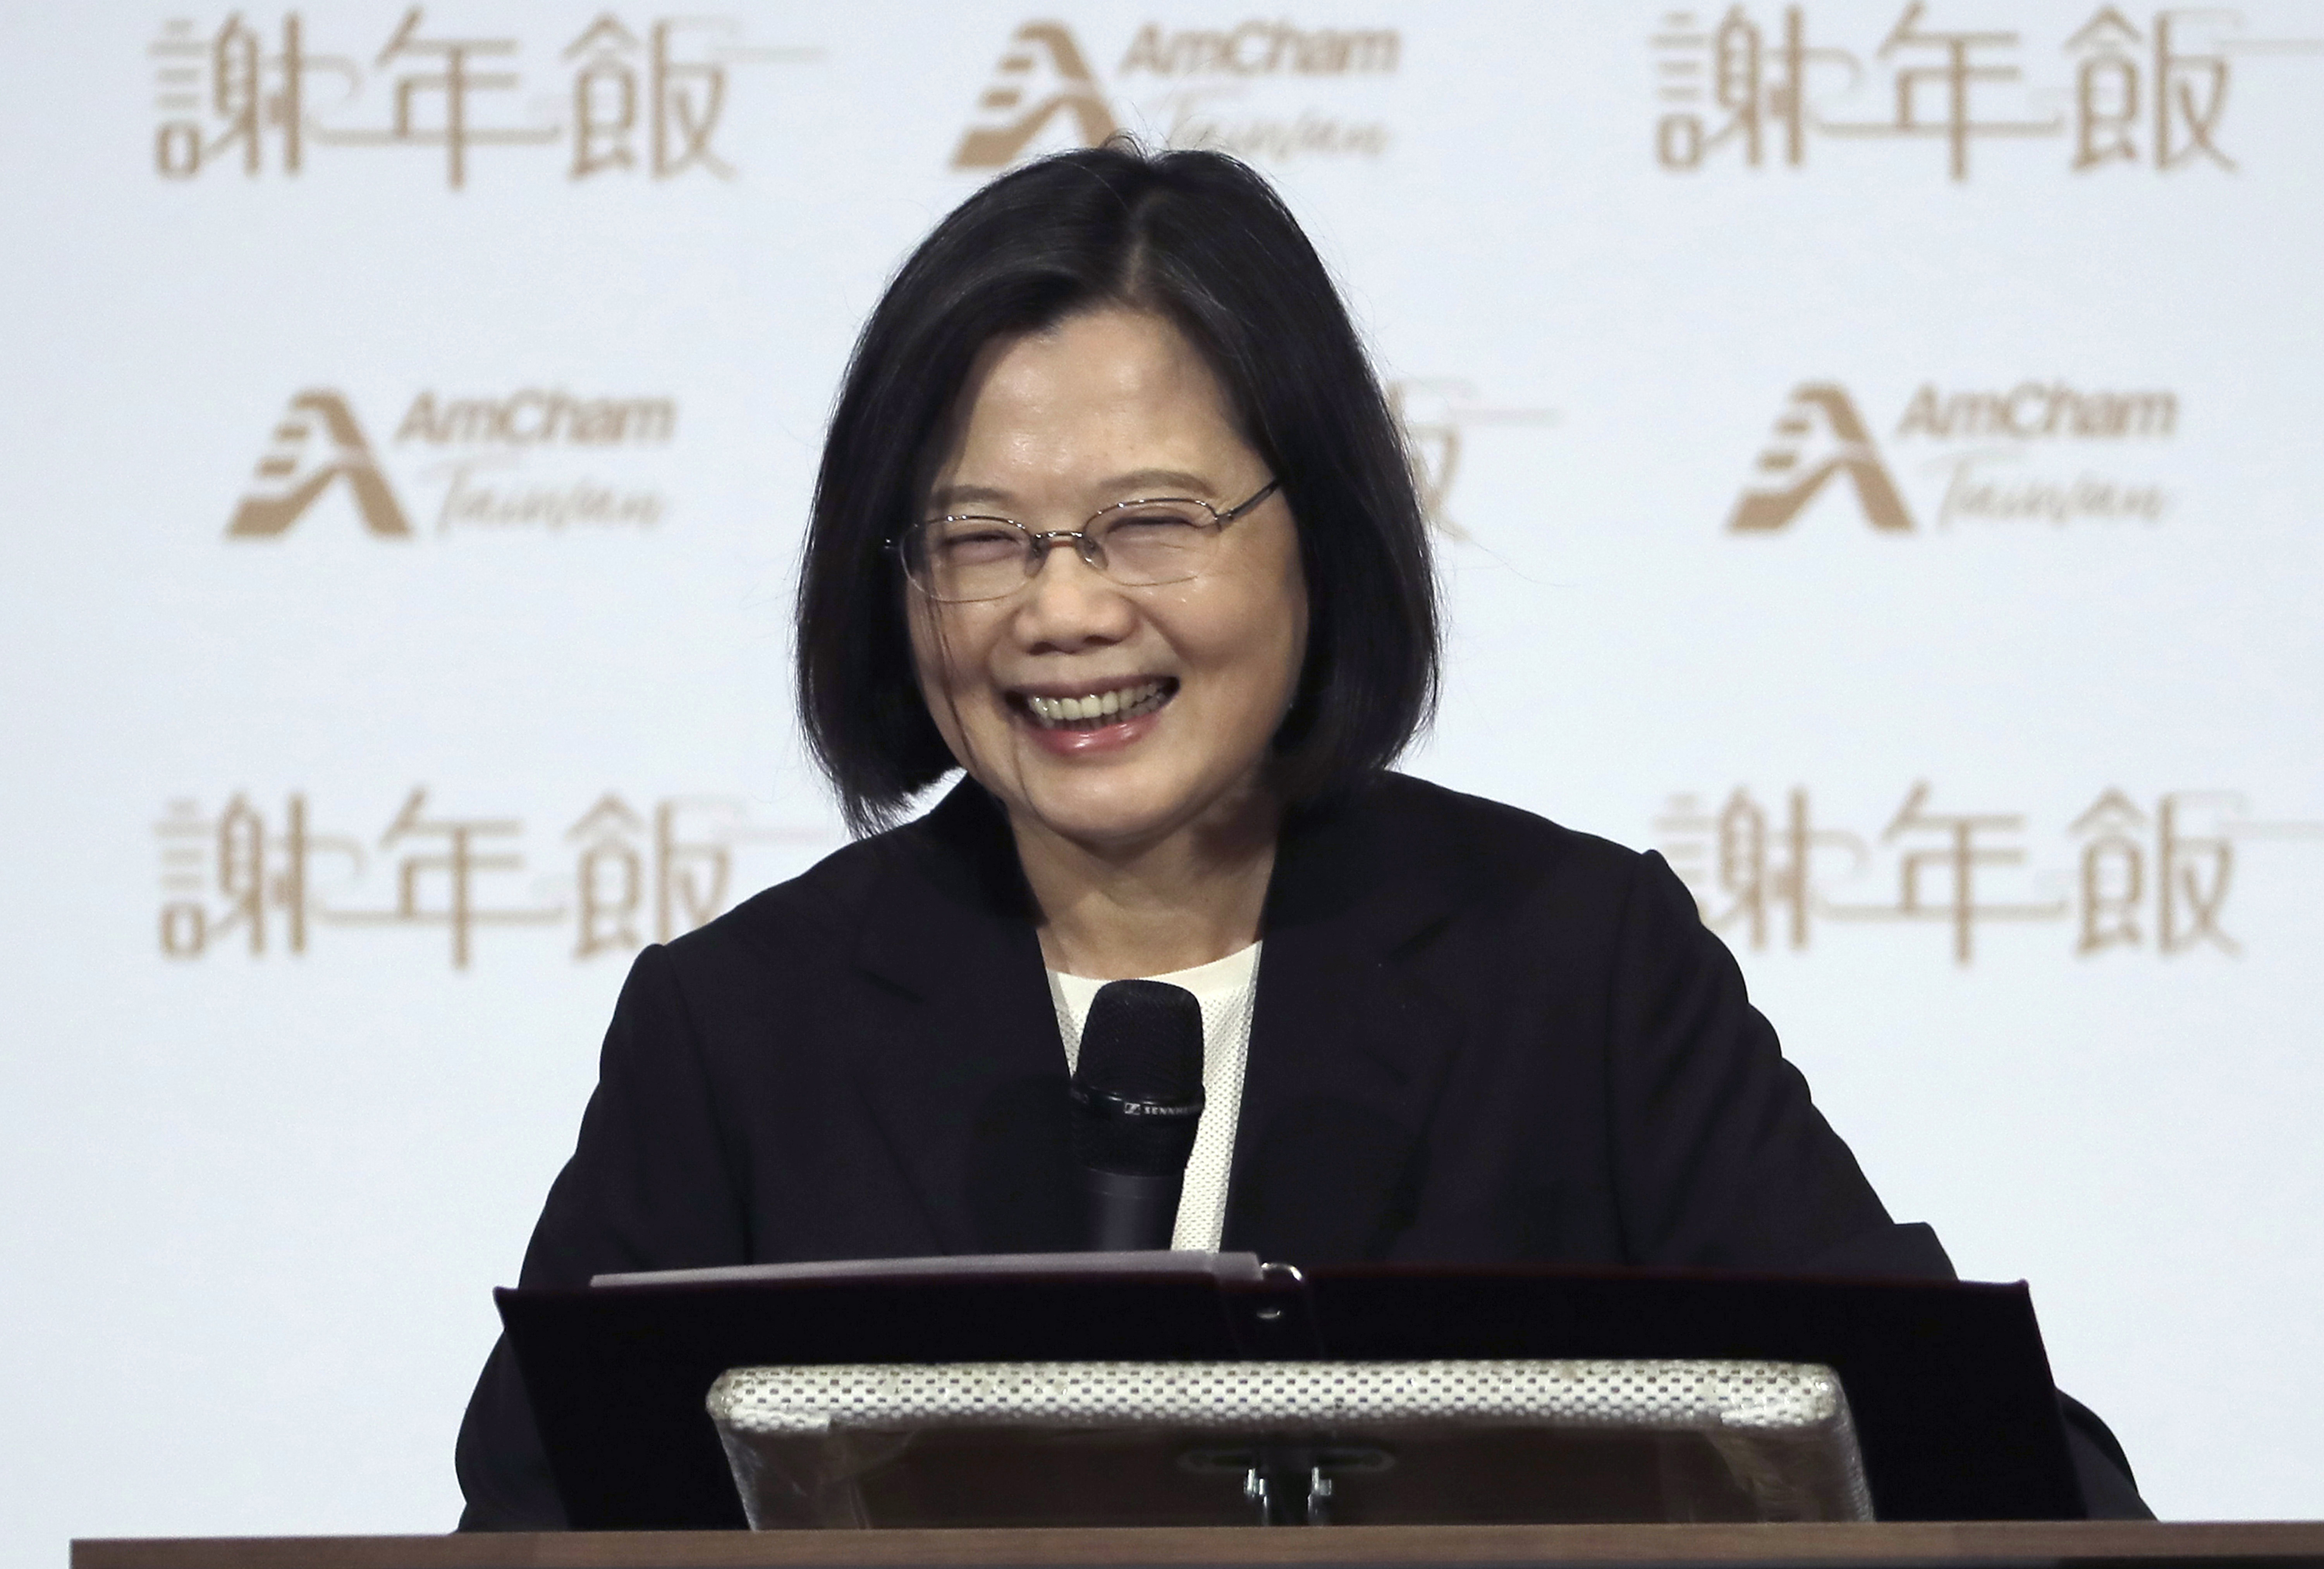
[(1949, 1387)]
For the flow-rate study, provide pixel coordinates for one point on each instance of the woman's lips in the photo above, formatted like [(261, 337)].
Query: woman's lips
[(1078, 726)]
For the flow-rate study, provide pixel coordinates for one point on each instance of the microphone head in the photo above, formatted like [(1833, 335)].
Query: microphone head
[(1137, 1090)]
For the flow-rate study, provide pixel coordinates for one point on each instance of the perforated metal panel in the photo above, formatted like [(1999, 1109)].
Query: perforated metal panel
[(802, 1438), (1253, 1396)]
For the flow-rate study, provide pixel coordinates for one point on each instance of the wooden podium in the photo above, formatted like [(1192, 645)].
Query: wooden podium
[(1963, 1443), (1979, 1543)]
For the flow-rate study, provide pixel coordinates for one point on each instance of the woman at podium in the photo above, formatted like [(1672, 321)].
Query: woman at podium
[(1114, 520)]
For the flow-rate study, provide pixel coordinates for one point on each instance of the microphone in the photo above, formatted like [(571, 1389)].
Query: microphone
[(1137, 1097)]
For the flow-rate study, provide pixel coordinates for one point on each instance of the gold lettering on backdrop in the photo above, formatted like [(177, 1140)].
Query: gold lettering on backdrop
[(1255, 49), (2107, 90), (317, 445), (441, 887), (605, 98), (1041, 78), (692, 873), (1733, 67), (1973, 492), (2152, 877), (1940, 883), (1043, 89), (1818, 435), (2032, 409), (227, 95), (637, 874), (681, 98), (2155, 92), (470, 501), (1262, 48), (422, 422), (536, 416), (1437, 415), (608, 882), (2187, 872), (2192, 870), (1195, 123), (2127, 84), (691, 852), (2113, 880), (229, 874), (451, 88), (647, 99), (1946, 109), (1762, 869)]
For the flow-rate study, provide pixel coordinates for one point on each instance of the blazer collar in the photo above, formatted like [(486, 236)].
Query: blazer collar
[(966, 1073), (1348, 1051), (957, 1052), (1352, 866), (952, 888)]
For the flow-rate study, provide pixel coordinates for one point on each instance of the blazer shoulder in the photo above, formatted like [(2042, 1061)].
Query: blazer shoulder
[(1490, 844), (822, 906)]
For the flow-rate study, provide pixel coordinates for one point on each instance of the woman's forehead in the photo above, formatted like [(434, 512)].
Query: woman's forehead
[(1100, 401)]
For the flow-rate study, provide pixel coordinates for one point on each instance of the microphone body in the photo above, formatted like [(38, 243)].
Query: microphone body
[(1130, 1214), (1137, 1099)]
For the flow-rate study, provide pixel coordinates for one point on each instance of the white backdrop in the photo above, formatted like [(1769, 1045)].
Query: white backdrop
[(1990, 735)]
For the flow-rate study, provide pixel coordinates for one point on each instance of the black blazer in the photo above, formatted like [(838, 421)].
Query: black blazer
[(1479, 1036)]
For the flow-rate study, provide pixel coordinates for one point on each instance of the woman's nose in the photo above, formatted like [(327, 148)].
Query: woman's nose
[(1069, 604)]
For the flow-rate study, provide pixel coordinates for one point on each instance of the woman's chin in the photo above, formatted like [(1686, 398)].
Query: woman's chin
[(1102, 812), (1096, 826)]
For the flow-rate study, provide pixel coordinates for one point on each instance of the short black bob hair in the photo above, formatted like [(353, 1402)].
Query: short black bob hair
[(1200, 239)]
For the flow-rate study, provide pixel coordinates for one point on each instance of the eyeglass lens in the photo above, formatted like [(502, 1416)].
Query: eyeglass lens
[(1136, 544)]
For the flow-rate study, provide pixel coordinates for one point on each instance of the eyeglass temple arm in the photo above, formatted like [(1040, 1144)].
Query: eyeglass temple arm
[(1269, 489)]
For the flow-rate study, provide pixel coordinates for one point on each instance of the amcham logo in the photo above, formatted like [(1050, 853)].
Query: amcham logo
[(1999, 457), (317, 445), (1186, 87), (1042, 76), (481, 455), (1819, 437)]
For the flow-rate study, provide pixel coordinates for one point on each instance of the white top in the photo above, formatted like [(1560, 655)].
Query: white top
[(1228, 990)]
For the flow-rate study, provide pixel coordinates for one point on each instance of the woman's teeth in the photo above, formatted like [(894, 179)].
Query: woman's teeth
[(1109, 707)]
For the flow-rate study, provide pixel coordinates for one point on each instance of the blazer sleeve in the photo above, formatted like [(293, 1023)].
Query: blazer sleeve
[(1721, 1159), (651, 1186)]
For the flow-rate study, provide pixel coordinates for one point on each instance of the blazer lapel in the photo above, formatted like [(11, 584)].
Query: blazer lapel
[(962, 1069), (962, 1065), (1347, 1058)]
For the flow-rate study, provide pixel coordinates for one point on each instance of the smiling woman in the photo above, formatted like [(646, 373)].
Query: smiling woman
[(1091, 330), (1145, 360), (1120, 698), (1113, 521)]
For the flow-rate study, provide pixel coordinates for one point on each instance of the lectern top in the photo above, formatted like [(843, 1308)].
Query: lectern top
[(1948, 1382)]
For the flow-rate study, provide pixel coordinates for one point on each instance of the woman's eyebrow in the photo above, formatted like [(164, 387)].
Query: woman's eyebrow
[(1140, 481), (1148, 479), (952, 496)]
